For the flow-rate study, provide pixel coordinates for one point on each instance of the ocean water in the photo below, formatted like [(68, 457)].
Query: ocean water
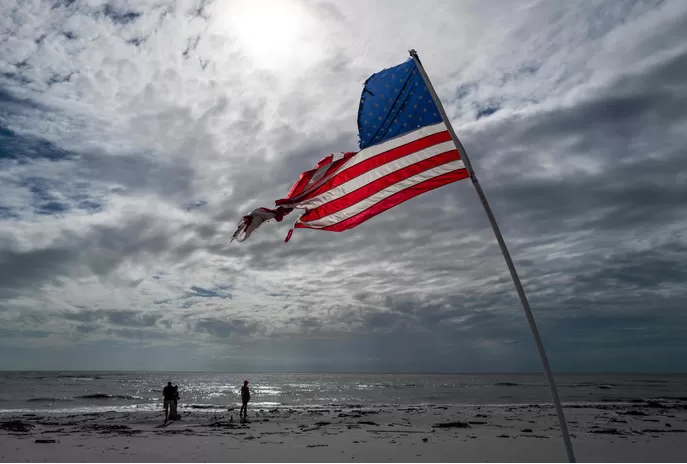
[(132, 391)]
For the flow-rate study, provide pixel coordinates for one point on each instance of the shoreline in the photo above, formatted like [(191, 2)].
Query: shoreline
[(666, 402)]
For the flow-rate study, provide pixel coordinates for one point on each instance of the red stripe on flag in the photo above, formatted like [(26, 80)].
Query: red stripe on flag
[(302, 184), (307, 175), (394, 200), (380, 160), (379, 184)]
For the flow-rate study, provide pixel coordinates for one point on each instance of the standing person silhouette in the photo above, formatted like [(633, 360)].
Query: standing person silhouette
[(245, 398), (169, 399)]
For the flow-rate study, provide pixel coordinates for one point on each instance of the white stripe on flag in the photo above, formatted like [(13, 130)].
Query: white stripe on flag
[(381, 195), (375, 150)]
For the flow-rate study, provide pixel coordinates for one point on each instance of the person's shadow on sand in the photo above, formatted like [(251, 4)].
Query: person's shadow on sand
[(163, 425)]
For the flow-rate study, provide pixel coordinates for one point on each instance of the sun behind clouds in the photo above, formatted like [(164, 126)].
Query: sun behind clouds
[(273, 34)]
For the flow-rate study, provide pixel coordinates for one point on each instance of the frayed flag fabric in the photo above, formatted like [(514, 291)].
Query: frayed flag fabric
[(252, 221), (405, 150)]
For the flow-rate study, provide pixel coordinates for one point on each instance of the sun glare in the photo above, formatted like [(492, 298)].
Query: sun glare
[(270, 32)]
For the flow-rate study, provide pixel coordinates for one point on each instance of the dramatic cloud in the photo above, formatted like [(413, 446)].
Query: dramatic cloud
[(134, 135)]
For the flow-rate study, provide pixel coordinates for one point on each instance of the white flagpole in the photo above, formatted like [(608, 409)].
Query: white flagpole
[(506, 255)]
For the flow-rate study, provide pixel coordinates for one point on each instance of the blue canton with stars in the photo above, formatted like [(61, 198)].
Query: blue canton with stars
[(394, 101)]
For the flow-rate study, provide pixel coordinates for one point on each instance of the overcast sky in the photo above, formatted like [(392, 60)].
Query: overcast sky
[(135, 134)]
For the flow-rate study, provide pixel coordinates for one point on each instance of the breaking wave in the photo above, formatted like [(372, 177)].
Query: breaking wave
[(47, 400)]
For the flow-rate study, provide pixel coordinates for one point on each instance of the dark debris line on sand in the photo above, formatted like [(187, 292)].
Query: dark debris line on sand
[(608, 432), (367, 423), (16, 426), (456, 424)]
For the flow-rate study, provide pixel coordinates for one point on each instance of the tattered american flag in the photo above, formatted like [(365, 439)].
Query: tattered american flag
[(405, 150)]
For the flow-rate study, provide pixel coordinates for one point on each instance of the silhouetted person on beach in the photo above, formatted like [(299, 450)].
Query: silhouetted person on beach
[(170, 399), (245, 398)]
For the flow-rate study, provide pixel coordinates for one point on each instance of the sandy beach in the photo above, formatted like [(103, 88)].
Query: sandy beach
[(638, 431)]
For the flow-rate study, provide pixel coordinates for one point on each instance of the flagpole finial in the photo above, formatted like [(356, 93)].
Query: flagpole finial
[(413, 55)]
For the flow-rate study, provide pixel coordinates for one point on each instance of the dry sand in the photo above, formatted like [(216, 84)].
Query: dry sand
[(638, 432)]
